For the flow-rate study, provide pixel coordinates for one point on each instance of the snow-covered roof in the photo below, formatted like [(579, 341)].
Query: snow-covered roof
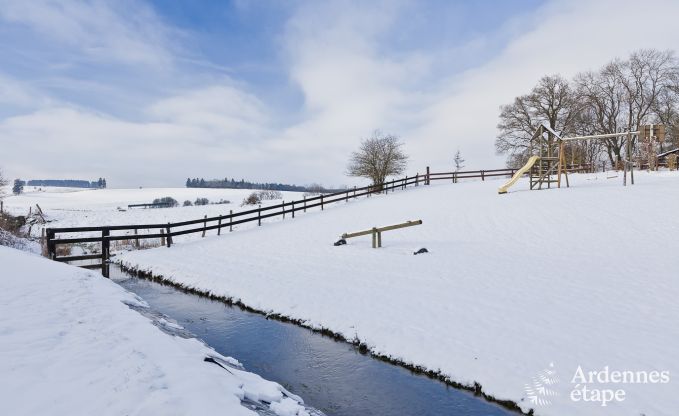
[(669, 152), (549, 129)]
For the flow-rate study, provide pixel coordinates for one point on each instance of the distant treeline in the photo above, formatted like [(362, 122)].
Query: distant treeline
[(243, 184), (68, 183)]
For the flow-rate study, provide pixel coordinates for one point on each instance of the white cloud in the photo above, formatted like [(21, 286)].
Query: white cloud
[(351, 78), (222, 109), (115, 31), (17, 95)]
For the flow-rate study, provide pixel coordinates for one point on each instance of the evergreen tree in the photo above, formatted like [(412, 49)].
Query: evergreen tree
[(18, 187)]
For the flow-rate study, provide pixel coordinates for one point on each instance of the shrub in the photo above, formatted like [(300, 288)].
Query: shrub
[(187, 203), (270, 195), (201, 201), (252, 199), (167, 200)]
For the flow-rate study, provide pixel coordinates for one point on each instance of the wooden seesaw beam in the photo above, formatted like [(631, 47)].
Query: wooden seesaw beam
[(377, 231)]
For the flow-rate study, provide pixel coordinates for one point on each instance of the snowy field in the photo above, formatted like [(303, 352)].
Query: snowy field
[(517, 293), (71, 207), (73, 343)]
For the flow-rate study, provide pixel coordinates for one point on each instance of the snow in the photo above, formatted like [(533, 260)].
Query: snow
[(72, 342), (9, 240), (512, 284), (71, 207)]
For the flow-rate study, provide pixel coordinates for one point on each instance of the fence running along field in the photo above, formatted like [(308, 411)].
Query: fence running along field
[(166, 232)]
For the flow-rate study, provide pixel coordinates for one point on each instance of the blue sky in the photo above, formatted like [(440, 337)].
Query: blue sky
[(284, 91)]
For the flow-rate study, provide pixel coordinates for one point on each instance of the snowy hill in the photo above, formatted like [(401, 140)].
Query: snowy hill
[(71, 345), (514, 285), (71, 207)]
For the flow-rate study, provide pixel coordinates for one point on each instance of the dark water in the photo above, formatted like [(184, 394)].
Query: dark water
[(330, 376)]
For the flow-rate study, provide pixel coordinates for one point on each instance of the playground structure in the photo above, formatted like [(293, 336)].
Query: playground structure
[(377, 232), (549, 165)]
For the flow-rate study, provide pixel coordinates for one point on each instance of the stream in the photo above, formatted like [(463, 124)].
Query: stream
[(331, 376)]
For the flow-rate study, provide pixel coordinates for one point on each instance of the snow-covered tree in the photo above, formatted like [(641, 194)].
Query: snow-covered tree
[(458, 161)]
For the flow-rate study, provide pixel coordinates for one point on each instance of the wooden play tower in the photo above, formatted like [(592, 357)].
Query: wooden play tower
[(547, 162), (550, 165)]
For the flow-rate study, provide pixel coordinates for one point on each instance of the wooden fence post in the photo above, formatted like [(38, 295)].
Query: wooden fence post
[(417, 179), (43, 243), (219, 225), (136, 240), (321, 202), (347, 197), (354, 191), (169, 235), (283, 209), (51, 246), (293, 209), (259, 215), (39, 211), (105, 251), (482, 176), (304, 203), (230, 220), (204, 225), (427, 178), (162, 237)]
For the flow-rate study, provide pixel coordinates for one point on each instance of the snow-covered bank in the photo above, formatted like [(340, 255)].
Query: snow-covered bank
[(69, 344), (513, 284)]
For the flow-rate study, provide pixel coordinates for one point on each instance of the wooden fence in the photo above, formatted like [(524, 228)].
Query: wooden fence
[(166, 232)]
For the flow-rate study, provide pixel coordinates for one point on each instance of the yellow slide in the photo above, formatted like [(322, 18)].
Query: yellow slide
[(518, 174)]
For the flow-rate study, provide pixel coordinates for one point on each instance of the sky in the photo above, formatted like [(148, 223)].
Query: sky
[(148, 93)]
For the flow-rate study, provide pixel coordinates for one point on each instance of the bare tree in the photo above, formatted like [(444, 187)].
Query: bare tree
[(625, 94), (666, 109), (645, 77), (619, 97), (603, 100), (378, 157), (551, 102)]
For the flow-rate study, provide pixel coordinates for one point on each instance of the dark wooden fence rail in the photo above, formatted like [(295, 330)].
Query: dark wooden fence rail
[(167, 231)]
